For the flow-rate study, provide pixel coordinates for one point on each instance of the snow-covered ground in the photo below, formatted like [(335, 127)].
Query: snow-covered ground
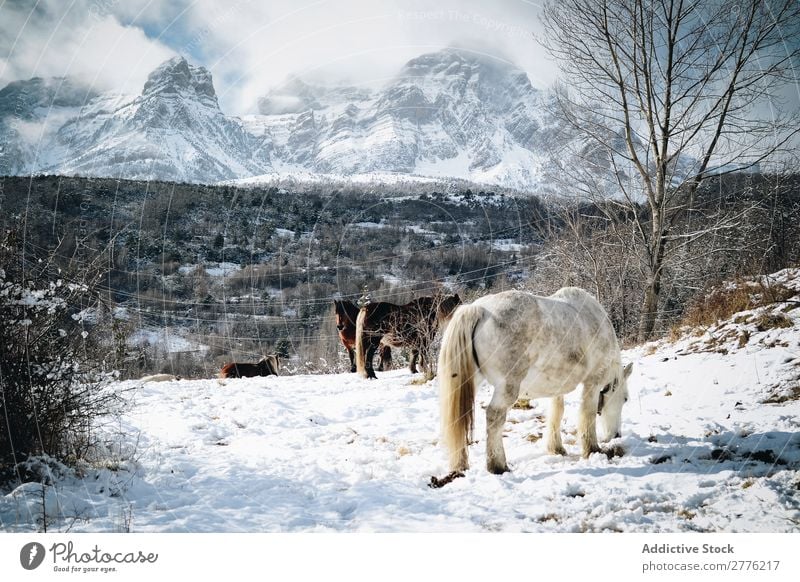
[(704, 452)]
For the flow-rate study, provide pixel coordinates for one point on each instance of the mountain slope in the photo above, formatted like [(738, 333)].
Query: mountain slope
[(450, 113), (174, 130), (31, 113)]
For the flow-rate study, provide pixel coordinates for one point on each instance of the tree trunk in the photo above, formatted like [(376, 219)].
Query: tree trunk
[(647, 319)]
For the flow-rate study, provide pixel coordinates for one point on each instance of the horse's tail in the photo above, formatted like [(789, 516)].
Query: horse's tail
[(361, 357), (457, 367), (386, 357), (226, 371)]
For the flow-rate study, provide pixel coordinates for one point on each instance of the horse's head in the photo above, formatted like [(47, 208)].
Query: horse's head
[(609, 407), (340, 313), (346, 313), (447, 306)]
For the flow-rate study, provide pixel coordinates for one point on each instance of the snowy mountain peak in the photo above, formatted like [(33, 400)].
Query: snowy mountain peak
[(298, 96), (177, 76), (446, 114), (457, 62), (22, 98)]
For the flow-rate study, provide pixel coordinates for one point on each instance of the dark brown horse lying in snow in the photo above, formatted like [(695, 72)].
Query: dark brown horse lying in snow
[(267, 366), (412, 325), (346, 313)]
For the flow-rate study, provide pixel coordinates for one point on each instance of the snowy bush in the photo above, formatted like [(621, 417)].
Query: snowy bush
[(50, 394)]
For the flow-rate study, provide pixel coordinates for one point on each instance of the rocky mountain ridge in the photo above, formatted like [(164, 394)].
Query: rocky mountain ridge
[(448, 114)]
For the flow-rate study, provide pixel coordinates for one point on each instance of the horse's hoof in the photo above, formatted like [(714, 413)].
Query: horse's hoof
[(613, 451), (497, 470), (591, 451), (557, 451), (353, 370)]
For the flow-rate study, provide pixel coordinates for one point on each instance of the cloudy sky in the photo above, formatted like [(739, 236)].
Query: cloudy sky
[(252, 45)]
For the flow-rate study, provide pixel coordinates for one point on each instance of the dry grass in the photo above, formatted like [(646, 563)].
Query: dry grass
[(779, 394), (724, 301), (744, 337), (686, 514), (772, 321)]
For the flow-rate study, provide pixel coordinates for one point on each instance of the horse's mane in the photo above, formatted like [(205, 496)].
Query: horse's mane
[(272, 363), (346, 308)]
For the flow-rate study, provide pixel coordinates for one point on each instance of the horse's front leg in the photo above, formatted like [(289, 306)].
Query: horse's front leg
[(554, 445), (352, 353), (502, 399), (369, 356), (587, 417)]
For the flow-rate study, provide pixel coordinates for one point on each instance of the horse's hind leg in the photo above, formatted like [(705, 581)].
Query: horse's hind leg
[(385, 353), (412, 365), (554, 446), (587, 417), (502, 400)]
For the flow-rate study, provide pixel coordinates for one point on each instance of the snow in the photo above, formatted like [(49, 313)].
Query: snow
[(212, 269), (291, 172), (171, 343), (284, 232), (508, 245), (335, 452), (223, 269)]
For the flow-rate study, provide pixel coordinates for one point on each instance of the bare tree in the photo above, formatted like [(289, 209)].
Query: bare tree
[(663, 94), (592, 248)]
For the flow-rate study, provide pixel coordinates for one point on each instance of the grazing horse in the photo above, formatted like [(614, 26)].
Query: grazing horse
[(346, 313), (267, 366), (412, 325), (532, 347)]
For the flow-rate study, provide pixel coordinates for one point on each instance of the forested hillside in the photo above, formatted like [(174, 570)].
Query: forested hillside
[(192, 275)]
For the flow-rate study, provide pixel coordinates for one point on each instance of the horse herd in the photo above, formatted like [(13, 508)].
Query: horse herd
[(382, 326), (523, 345)]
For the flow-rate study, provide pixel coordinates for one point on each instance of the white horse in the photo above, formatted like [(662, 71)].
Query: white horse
[(534, 347)]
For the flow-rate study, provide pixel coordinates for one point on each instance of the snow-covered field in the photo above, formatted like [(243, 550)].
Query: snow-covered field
[(340, 453)]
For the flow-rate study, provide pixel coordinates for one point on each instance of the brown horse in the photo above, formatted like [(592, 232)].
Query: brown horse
[(412, 325), (267, 366), (346, 313)]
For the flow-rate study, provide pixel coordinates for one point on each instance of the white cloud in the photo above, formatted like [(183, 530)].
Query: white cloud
[(52, 38), (366, 42), (251, 45)]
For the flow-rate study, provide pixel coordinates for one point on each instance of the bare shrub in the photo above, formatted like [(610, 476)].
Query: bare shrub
[(51, 390)]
